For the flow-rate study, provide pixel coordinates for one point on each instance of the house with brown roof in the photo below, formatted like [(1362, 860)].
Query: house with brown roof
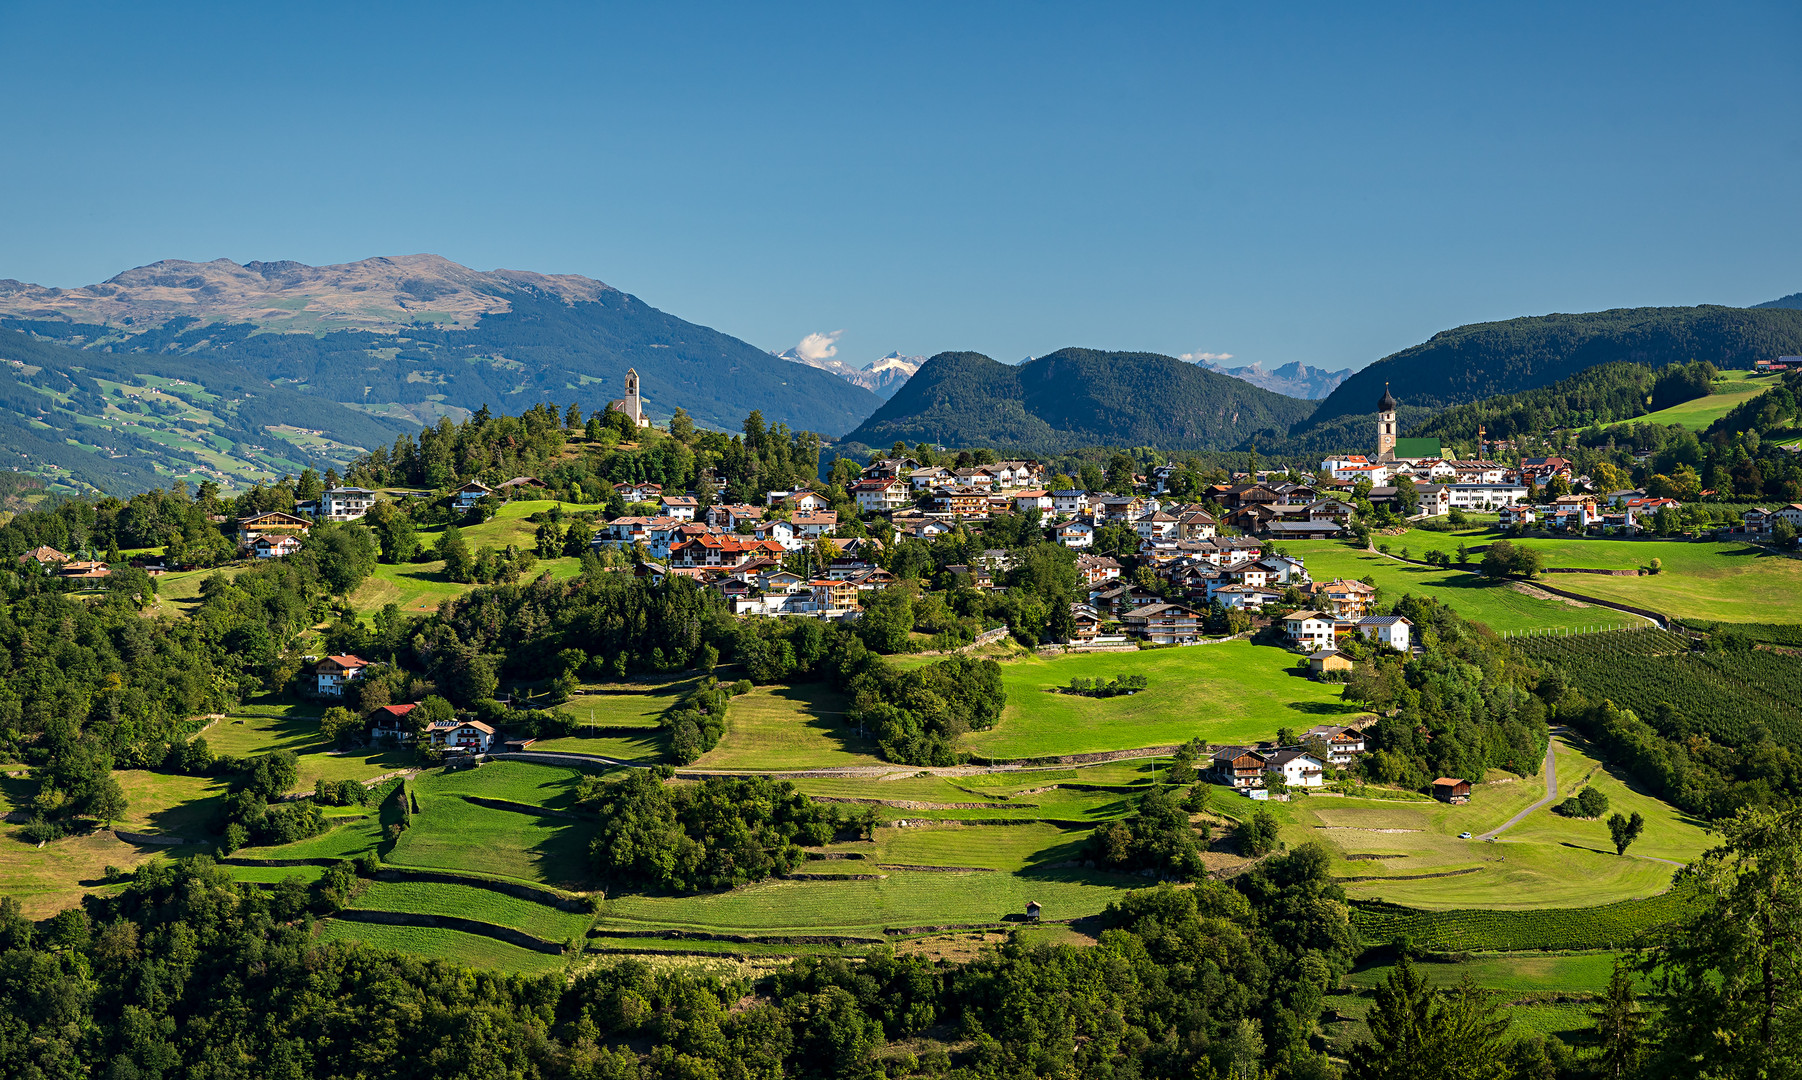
[(44, 555), (332, 673)]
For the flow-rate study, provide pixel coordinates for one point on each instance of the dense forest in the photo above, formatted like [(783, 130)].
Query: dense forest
[(1076, 397), (1482, 360), (1601, 395)]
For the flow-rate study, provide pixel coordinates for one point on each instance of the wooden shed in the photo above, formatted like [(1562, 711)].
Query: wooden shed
[(1451, 789)]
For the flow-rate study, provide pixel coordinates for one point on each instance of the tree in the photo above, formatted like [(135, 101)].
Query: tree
[(1728, 981), (108, 801), (1625, 830), (337, 723), (1416, 1032), (1619, 1023), (1463, 554), (459, 564)]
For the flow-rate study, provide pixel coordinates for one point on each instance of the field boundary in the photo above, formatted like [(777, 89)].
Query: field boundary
[(451, 922), (523, 808)]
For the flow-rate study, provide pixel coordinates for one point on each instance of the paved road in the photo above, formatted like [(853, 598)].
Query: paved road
[(1551, 792)]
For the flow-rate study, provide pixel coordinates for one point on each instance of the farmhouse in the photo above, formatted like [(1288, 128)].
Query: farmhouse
[(273, 525), (1238, 767), (1343, 743), (44, 556), (334, 671), (468, 736), (470, 494), (390, 722), (1297, 768)]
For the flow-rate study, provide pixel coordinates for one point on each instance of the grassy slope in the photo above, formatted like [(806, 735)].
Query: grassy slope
[(1729, 391), (419, 587), (902, 899), (1221, 693), (1498, 605), (789, 727), (296, 728), (1727, 582), (469, 902), (453, 946), (1545, 861)]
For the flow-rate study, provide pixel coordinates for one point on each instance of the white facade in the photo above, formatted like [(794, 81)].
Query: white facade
[(1076, 534), (346, 503), (1391, 630), (1310, 629), (1485, 496), (1070, 502), (1297, 769)]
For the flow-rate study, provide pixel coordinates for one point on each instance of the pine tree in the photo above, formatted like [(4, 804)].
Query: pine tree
[(1618, 1024)]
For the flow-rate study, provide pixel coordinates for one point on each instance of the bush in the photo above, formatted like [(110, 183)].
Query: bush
[(1588, 803), (1257, 833)]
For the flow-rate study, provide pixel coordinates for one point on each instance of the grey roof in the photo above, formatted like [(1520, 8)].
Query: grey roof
[(1383, 620), (1284, 757), (1303, 526)]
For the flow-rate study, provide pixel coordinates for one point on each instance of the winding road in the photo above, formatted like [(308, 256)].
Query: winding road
[(1551, 792)]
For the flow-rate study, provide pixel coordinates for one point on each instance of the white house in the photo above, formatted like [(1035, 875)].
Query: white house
[(1076, 534), (814, 525), (1391, 630), (1070, 502), (1485, 496), (346, 503), (1297, 768), (881, 494), (1312, 630), (1516, 515), (680, 507), (334, 671), (1034, 499), (470, 736), (1435, 499), (1284, 569), (470, 494)]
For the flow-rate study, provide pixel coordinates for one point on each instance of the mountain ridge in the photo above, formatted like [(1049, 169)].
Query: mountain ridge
[(1294, 379), (1076, 397), (413, 337)]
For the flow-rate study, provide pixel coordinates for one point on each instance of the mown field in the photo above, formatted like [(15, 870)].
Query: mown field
[(453, 946), (789, 727), (1701, 579), (255, 730), (1730, 390), (1499, 605), (1219, 693), (1410, 853)]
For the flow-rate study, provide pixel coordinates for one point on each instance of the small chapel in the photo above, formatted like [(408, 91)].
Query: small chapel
[(632, 405)]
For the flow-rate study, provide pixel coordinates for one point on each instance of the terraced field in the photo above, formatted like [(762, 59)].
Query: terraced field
[(469, 902), (452, 946)]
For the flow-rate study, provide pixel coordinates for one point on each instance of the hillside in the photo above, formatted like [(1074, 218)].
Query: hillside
[(1606, 394), (128, 422), (1793, 300), (1076, 397), (419, 336), (1483, 360)]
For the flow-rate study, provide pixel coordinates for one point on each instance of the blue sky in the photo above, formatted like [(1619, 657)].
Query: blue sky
[(1325, 184)]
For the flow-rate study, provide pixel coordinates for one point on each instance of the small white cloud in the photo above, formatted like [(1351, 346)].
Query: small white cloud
[(818, 346), (1205, 357)]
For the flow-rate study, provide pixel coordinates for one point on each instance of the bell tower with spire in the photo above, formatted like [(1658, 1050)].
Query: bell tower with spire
[(1386, 426)]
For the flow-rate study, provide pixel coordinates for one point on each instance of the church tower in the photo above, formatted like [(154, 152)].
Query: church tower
[(632, 405), (1386, 426)]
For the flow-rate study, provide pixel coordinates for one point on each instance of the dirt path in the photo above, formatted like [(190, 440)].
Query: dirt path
[(1551, 792)]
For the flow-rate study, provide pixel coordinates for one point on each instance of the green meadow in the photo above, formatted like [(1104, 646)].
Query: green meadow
[(1222, 693)]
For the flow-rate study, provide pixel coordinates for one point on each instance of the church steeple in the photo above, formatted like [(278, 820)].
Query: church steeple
[(1386, 426)]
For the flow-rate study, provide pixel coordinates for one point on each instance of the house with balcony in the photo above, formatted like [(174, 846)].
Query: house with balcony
[(1163, 623)]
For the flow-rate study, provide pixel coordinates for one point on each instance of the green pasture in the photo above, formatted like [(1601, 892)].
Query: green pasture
[(1604, 926), (471, 902), (449, 833), (993, 847), (272, 874), (552, 786), (1220, 693), (251, 731), (1499, 605), (789, 727), (184, 806), (1411, 853), (607, 705), (451, 946), (1729, 392), (634, 748), (903, 898), (343, 842), (1526, 973)]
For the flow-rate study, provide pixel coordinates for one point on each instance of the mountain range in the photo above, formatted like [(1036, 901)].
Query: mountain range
[(1076, 397), (419, 336), (881, 377), (1295, 378)]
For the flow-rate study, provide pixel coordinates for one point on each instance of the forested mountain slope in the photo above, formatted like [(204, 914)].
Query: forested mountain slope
[(128, 422), (1481, 360), (1077, 397), (419, 336)]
